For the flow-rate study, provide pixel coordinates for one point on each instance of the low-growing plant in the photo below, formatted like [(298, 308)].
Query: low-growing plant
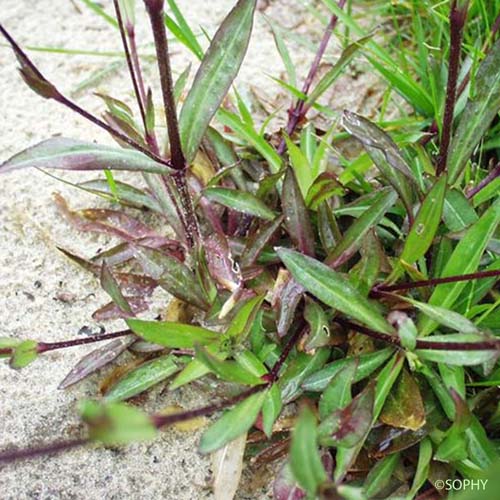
[(342, 306)]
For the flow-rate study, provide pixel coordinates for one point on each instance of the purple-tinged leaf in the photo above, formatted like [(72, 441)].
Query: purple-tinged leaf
[(348, 426), (112, 311), (111, 287), (132, 284), (285, 486), (297, 220), (71, 154), (333, 289), (125, 128), (288, 301), (258, 241), (96, 359), (385, 155), (220, 262), (323, 188), (172, 275)]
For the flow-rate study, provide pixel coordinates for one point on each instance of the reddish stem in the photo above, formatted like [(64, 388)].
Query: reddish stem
[(457, 21), (296, 114), (436, 281), (487, 180)]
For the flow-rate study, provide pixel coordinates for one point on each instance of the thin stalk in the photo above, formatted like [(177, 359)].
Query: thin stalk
[(50, 449), (458, 15), (64, 344), (141, 100), (55, 94), (487, 180), (52, 346), (297, 113), (436, 281), (487, 345)]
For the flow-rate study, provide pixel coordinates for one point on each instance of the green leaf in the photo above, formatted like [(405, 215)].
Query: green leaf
[(297, 220), (243, 320), (271, 409), (226, 370), (142, 378), (464, 259), (423, 466), (116, 423), (23, 354), (305, 459), (217, 71), (445, 317), (170, 334), (233, 423), (457, 211), (240, 201), (283, 52), (380, 475), (368, 363), (337, 395), (8, 343), (333, 289), (71, 154), (353, 237), (426, 223), (478, 114)]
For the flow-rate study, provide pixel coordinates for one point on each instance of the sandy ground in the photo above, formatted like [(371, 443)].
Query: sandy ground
[(33, 274)]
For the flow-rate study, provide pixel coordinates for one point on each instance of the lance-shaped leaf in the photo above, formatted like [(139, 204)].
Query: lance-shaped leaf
[(426, 224), (71, 154), (217, 71), (338, 393), (172, 275), (348, 426), (271, 409), (479, 111), (170, 334), (142, 378), (380, 475), (111, 287), (297, 220), (353, 237), (464, 259), (319, 332), (305, 459), (226, 370), (333, 289), (95, 360), (220, 262), (243, 320), (368, 363), (258, 241), (125, 193), (385, 155), (111, 311), (240, 201), (233, 423), (289, 299)]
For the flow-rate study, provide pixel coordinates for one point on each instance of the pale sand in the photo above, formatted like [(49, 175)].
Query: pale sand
[(33, 273)]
